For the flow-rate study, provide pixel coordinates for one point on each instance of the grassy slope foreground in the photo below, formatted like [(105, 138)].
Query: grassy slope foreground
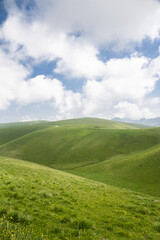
[(37, 202)]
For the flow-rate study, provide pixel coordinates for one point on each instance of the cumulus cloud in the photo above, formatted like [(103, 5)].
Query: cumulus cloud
[(72, 33), (14, 87), (125, 80), (131, 110), (132, 77), (103, 21), (76, 58), (50, 31), (122, 91), (41, 89), (11, 75)]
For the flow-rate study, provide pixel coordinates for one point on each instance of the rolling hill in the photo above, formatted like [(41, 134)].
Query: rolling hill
[(38, 202), (138, 171), (21, 124), (64, 148), (122, 157), (115, 196), (9, 132)]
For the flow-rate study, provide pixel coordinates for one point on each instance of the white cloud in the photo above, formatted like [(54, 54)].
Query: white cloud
[(103, 21), (80, 60), (131, 110), (118, 87), (41, 89), (14, 87), (76, 57), (11, 75), (131, 78), (122, 91), (47, 33)]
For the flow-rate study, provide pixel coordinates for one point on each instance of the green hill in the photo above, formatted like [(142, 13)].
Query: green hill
[(37, 202), (20, 124), (88, 151), (66, 148), (138, 171), (11, 131)]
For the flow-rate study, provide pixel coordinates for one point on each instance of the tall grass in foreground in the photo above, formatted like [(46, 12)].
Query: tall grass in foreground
[(10, 229)]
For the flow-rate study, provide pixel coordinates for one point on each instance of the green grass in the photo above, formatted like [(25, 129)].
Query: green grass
[(137, 171), (127, 158), (13, 131), (44, 203), (67, 148), (20, 124)]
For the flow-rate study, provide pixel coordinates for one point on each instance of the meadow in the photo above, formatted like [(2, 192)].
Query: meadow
[(38, 202), (79, 179), (121, 157)]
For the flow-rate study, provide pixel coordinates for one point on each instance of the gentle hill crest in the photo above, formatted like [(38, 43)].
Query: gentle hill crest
[(87, 121), (98, 122)]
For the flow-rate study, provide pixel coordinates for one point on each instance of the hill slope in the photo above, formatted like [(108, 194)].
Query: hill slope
[(10, 132), (112, 156), (20, 124), (137, 171), (42, 203), (66, 148)]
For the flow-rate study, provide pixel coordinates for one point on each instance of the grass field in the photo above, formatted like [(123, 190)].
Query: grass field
[(122, 157), (42, 203), (10, 132), (137, 171), (114, 192), (66, 148)]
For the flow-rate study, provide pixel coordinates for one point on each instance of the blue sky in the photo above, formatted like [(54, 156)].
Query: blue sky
[(66, 59)]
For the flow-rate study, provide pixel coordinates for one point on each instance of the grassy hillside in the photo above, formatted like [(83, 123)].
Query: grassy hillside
[(137, 171), (20, 124), (66, 148), (11, 132), (127, 158), (37, 202)]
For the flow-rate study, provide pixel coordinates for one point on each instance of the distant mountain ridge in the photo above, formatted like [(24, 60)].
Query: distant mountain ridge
[(155, 122)]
